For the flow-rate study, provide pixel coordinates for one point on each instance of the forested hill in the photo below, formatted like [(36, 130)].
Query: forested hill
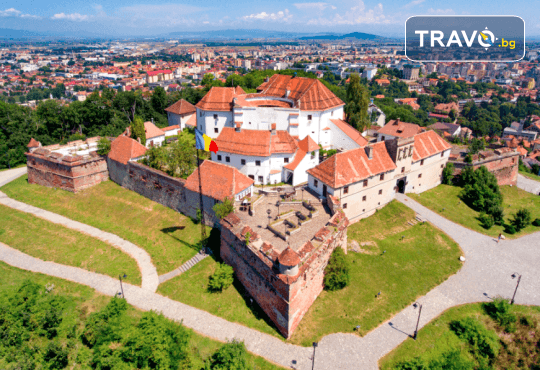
[(108, 112)]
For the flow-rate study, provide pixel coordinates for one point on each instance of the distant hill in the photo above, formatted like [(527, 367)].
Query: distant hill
[(354, 35), (10, 33), (237, 34)]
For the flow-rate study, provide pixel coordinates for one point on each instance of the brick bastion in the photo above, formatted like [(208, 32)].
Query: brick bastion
[(284, 283), (72, 167), (502, 162)]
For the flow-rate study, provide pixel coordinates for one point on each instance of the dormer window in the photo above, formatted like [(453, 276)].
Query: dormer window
[(215, 116), (309, 117)]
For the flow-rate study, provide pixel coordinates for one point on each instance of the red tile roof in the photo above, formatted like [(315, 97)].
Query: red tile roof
[(305, 146), (124, 148), (289, 257), (151, 130), (308, 94), (218, 181), (181, 107), (350, 131), (427, 144), (353, 165), (33, 143), (169, 128), (219, 98), (400, 129), (255, 142), (192, 121)]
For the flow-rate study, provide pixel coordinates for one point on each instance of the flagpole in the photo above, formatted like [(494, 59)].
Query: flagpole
[(201, 205)]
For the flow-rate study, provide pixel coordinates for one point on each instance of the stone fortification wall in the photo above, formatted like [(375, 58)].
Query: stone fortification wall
[(161, 188)]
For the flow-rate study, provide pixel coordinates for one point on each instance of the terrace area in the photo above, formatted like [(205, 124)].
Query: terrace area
[(294, 222)]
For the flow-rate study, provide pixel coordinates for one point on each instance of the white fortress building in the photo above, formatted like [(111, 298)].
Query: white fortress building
[(274, 129)]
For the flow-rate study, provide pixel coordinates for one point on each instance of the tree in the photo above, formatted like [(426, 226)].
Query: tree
[(231, 356), (448, 173), (357, 103), (476, 145), (521, 219), (137, 130), (481, 190), (336, 273), (104, 146), (159, 99), (221, 279), (182, 160), (222, 209)]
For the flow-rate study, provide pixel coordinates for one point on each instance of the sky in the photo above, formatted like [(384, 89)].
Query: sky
[(140, 18)]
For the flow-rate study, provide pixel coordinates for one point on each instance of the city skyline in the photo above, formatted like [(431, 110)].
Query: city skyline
[(385, 18)]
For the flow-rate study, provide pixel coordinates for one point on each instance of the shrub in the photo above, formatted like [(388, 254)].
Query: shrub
[(497, 213), (451, 360), (222, 209), (231, 356), (499, 310), (103, 146), (336, 273), (104, 326), (536, 222), (509, 229), (415, 364), (55, 356), (483, 342), (448, 173), (486, 221), (137, 130), (221, 279), (521, 219)]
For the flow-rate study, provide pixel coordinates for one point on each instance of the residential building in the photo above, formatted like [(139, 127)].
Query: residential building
[(154, 136), (411, 71), (397, 128)]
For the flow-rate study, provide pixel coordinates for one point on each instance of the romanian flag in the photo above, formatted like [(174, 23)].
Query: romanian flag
[(205, 142)]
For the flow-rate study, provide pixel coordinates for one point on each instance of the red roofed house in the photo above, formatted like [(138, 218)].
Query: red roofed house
[(182, 114), (396, 128), (154, 135), (125, 149), (219, 181), (365, 179)]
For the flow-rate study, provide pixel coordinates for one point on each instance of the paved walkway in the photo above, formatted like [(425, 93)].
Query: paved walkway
[(529, 185), (150, 279), (485, 274)]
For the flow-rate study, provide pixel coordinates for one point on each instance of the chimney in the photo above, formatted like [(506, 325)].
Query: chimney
[(238, 127), (396, 122), (152, 120), (287, 93), (273, 129), (267, 79), (369, 151)]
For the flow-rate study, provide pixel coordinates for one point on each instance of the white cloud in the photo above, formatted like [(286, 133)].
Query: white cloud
[(355, 15), (281, 16), (441, 11), (412, 4), (70, 17), (310, 6), (12, 12)]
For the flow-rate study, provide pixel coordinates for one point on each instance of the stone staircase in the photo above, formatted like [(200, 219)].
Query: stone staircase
[(186, 266), (418, 218)]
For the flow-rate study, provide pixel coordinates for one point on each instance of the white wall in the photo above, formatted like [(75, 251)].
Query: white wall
[(431, 171), (340, 139), (156, 141), (207, 123), (300, 175)]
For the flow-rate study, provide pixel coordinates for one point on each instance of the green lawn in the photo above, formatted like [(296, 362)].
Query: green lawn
[(409, 268), (531, 176), (87, 300), (51, 242), (444, 199), (436, 338), (169, 237)]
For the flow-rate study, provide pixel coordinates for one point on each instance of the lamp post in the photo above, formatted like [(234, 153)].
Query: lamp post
[(315, 344), (268, 211), (121, 287), (514, 275), (418, 321), (278, 203)]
